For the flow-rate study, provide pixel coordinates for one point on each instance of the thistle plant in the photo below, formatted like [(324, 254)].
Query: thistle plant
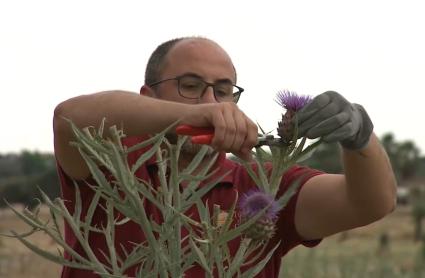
[(165, 252), (283, 153)]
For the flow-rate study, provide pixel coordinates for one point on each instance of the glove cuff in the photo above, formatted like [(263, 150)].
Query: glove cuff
[(361, 139)]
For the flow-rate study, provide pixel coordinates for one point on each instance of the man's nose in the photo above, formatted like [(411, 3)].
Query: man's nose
[(208, 95)]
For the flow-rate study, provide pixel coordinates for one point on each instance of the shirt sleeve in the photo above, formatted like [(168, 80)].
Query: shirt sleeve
[(286, 230)]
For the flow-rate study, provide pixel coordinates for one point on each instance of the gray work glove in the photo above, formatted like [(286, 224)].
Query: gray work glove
[(334, 119)]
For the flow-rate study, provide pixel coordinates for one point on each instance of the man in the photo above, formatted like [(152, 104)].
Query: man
[(184, 81)]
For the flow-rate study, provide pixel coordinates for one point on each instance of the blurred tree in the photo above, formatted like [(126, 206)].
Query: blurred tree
[(327, 158), (26, 172), (408, 158), (17, 190), (404, 156), (48, 182), (32, 163), (421, 167), (418, 210), (389, 144), (10, 165)]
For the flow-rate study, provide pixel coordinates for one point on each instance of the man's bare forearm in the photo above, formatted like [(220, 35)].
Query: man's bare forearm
[(370, 180), (118, 107), (137, 114)]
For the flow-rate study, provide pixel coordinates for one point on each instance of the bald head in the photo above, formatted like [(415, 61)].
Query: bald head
[(187, 52)]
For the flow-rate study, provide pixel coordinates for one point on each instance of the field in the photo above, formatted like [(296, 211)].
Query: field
[(16, 261), (384, 249)]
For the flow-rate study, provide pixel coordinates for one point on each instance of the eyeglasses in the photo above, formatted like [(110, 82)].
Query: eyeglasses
[(194, 87)]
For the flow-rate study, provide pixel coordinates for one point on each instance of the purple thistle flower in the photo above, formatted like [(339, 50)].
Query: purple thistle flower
[(291, 101), (256, 200)]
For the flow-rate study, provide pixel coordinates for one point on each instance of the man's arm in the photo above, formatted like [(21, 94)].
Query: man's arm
[(328, 204), (366, 192), (139, 115), (118, 107)]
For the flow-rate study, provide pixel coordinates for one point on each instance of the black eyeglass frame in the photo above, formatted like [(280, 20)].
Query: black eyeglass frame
[(236, 95)]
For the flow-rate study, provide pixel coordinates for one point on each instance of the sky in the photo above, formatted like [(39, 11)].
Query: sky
[(370, 51)]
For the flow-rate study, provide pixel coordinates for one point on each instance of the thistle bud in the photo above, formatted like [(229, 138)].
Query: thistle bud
[(292, 103), (286, 127), (255, 202)]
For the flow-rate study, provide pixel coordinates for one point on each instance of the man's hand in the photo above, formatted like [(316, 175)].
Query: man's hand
[(234, 132), (334, 119), (365, 192)]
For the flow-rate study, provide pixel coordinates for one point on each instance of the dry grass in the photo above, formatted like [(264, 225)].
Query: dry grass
[(359, 253), (360, 245), (15, 259)]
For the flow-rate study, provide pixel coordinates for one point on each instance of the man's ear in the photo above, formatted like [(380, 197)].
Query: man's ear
[(147, 91)]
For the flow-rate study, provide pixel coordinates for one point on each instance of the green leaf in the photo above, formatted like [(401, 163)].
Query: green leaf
[(198, 194), (300, 147), (284, 199), (196, 161), (77, 206), (31, 221), (253, 271), (262, 174), (110, 238), (147, 155), (200, 257), (252, 174), (231, 213), (90, 211), (239, 256), (157, 137), (307, 152), (48, 255), (238, 230)]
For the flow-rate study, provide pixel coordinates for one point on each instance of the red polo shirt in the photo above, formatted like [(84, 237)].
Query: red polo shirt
[(222, 194)]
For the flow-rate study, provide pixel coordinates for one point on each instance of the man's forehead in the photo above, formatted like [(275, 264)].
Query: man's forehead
[(199, 52)]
